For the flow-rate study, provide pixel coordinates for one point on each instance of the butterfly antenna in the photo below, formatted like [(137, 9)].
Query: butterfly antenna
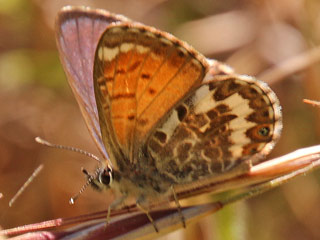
[(26, 184), (87, 183), (73, 149)]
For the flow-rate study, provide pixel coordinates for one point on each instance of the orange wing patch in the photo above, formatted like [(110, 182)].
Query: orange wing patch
[(144, 73), (168, 87)]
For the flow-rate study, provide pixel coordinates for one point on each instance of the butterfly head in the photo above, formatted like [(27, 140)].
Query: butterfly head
[(101, 179)]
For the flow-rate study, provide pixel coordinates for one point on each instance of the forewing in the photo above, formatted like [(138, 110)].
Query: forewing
[(140, 74), (227, 121), (78, 30)]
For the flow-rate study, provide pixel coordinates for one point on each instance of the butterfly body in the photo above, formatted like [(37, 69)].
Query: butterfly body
[(161, 113)]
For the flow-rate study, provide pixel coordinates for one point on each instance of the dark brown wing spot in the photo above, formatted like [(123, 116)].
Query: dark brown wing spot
[(182, 112), (253, 91), (111, 43), (176, 43), (152, 91), (212, 86), (250, 149), (222, 108), (123, 95), (181, 54), (222, 120), (223, 128), (158, 35), (120, 71), (183, 151), (212, 114), (145, 76), (249, 93), (109, 79), (134, 66), (258, 102), (233, 85), (260, 117), (161, 136), (226, 89), (130, 117), (265, 113)]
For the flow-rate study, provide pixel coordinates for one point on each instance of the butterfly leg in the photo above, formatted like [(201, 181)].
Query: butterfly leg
[(113, 205), (145, 211), (183, 220)]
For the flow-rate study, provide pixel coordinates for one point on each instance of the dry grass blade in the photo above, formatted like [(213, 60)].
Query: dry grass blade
[(291, 66)]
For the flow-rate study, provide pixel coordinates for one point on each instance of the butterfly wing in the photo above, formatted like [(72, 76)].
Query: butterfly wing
[(140, 74), (78, 30), (229, 121)]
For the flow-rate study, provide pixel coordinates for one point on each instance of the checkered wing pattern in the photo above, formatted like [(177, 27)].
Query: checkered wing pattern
[(226, 121)]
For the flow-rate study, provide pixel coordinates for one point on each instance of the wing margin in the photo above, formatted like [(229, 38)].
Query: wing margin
[(78, 30)]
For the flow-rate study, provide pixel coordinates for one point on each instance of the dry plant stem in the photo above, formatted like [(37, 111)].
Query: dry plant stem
[(291, 66), (263, 187), (135, 224), (312, 102), (170, 218), (26, 184), (262, 172)]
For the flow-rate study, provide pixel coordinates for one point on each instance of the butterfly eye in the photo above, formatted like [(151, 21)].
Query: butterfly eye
[(264, 131), (106, 177)]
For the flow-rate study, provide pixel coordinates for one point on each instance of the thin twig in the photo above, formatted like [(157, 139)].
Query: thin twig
[(312, 102), (291, 66)]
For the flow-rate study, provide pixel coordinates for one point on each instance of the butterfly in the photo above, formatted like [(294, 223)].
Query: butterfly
[(165, 118)]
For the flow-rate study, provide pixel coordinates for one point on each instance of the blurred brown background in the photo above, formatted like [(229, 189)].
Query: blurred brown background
[(35, 100)]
